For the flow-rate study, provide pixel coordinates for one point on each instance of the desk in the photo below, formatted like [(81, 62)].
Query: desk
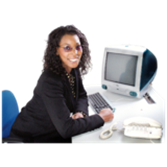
[(126, 107)]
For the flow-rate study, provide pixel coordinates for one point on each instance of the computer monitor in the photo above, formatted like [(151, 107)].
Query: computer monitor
[(128, 70)]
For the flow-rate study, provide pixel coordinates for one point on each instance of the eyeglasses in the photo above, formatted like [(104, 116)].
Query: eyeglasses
[(69, 48)]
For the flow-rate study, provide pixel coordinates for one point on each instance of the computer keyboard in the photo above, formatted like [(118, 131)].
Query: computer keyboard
[(98, 102)]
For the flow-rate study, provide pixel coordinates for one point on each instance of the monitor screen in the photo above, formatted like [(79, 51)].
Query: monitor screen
[(121, 68)]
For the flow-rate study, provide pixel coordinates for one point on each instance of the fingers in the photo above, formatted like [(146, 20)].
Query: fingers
[(73, 117), (77, 115)]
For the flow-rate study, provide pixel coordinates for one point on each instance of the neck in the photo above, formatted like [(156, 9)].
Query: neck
[(68, 71)]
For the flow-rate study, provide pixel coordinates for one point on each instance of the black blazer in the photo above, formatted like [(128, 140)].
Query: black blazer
[(46, 117)]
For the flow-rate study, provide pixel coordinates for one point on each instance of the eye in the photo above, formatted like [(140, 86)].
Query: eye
[(79, 48), (67, 48)]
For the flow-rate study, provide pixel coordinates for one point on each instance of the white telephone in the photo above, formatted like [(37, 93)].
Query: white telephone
[(137, 127)]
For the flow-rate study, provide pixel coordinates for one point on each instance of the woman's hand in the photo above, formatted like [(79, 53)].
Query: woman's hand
[(106, 114), (77, 115)]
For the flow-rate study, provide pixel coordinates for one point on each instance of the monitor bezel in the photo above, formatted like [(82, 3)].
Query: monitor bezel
[(130, 50)]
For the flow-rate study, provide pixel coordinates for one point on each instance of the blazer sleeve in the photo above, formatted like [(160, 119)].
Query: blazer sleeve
[(55, 103), (82, 101)]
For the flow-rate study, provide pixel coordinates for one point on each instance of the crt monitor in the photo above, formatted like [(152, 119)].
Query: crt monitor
[(128, 70)]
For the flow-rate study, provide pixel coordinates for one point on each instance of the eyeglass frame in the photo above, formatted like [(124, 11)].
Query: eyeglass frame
[(71, 48)]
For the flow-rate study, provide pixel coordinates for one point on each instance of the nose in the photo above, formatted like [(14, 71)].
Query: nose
[(74, 50)]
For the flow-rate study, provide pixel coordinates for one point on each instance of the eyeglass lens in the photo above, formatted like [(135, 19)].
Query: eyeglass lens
[(69, 48)]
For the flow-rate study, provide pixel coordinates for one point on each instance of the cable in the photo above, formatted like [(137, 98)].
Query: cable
[(108, 132)]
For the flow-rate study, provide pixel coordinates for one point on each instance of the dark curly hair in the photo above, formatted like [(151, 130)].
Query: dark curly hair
[(53, 61)]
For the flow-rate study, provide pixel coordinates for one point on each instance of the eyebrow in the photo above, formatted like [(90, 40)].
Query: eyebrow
[(70, 44)]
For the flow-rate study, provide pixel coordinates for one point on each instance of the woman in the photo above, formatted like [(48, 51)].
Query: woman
[(60, 93)]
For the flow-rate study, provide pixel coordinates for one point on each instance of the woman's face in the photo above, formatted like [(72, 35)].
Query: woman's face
[(70, 51)]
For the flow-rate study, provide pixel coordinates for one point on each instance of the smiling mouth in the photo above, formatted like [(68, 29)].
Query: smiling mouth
[(73, 60)]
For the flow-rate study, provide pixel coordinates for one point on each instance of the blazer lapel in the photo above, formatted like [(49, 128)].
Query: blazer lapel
[(76, 82), (67, 84)]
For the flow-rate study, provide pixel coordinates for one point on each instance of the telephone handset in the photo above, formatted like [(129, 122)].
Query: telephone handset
[(137, 127), (142, 121)]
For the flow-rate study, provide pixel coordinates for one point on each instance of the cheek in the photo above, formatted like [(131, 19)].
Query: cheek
[(63, 55), (81, 55)]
